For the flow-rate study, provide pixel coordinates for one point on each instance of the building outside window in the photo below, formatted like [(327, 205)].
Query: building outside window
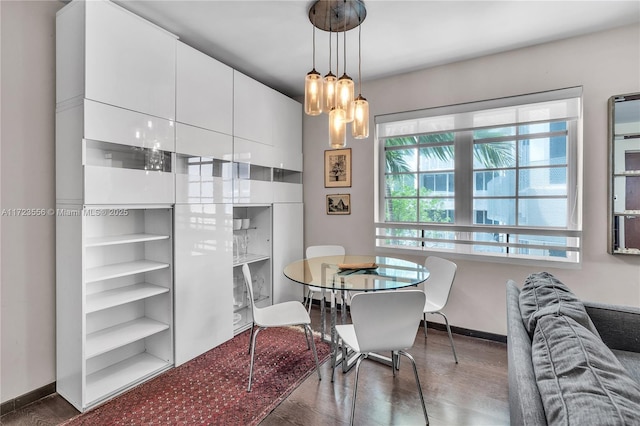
[(491, 178)]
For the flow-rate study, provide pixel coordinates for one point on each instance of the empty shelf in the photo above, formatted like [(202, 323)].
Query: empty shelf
[(122, 295), (106, 272), (123, 239), (122, 334), (119, 376)]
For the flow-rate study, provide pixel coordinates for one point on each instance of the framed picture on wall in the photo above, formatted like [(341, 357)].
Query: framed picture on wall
[(339, 204), (337, 168)]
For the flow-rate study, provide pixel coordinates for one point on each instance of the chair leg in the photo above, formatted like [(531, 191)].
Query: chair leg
[(253, 350), (415, 372), (334, 358), (424, 317), (309, 301), (306, 336), (250, 338), (313, 346), (446, 321), (355, 388)]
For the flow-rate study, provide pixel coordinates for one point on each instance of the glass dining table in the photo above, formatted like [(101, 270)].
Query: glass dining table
[(339, 275)]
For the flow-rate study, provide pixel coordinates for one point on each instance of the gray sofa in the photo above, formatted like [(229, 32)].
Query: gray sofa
[(570, 362)]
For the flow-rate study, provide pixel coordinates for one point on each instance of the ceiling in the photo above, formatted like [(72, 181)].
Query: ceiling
[(271, 41)]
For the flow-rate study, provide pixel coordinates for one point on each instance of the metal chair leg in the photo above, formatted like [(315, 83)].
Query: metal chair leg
[(309, 301), (424, 317), (250, 338), (253, 350), (355, 387), (415, 372), (313, 346), (306, 336), (446, 321)]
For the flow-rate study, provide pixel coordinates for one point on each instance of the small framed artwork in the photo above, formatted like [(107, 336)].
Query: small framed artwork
[(338, 204), (337, 168)]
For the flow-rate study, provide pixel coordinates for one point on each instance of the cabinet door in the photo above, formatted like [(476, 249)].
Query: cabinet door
[(252, 109), (287, 124), (204, 91), (129, 62), (287, 247), (203, 278)]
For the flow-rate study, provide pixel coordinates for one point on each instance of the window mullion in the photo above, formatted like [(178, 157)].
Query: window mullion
[(463, 148)]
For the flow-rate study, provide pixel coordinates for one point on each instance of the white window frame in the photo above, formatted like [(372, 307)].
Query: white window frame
[(463, 230)]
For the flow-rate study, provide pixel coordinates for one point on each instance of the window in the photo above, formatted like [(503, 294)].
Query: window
[(492, 178)]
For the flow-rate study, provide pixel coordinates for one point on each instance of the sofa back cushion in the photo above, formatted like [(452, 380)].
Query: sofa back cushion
[(543, 294), (580, 380)]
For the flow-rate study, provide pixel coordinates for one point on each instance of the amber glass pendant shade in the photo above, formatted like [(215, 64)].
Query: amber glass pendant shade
[(360, 125), (337, 129), (313, 89), (344, 96)]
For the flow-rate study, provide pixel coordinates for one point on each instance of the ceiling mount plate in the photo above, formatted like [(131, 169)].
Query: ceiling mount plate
[(337, 15)]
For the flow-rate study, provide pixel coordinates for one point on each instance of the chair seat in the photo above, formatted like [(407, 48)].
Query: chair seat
[(282, 314), (348, 334), (429, 306)]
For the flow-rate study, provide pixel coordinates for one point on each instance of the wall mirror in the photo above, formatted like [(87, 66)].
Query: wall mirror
[(624, 170)]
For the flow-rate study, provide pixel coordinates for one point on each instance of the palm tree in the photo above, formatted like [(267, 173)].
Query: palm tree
[(490, 155)]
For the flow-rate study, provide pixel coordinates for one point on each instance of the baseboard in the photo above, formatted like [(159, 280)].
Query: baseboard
[(27, 398), (457, 330), (468, 332)]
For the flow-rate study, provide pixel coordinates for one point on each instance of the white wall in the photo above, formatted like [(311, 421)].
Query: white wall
[(27, 277), (605, 64)]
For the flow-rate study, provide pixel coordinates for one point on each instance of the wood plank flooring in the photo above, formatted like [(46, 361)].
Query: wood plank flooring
[(473, 392)]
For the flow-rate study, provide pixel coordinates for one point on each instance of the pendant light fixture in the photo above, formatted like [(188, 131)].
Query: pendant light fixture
[(313, 86), (360, 126), (344, 86), (329, 82), (340, 16)]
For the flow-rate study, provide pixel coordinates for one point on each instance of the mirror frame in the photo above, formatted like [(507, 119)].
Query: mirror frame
[(614, 247)]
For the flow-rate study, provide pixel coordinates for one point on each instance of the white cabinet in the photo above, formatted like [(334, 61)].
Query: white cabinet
[(204, 91), (288, 246), (287, 125), (252, 244), (252, 109), (110, 55), (203, 172), (114, 325), (203, 277)]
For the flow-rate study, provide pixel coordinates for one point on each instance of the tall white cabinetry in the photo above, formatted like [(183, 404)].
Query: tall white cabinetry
[(160, 151), (203, 209), (115, 194)]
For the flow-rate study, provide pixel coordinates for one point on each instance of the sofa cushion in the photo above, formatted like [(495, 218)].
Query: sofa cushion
[(580, 380), (631, 362), (543, 294)]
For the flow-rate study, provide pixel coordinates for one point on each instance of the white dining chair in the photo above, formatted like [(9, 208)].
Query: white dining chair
[(316, 273), (279, 315), (442, 273), (383, 321)]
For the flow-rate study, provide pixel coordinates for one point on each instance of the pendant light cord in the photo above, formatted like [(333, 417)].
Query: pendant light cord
[(359, 56), (344, 37)]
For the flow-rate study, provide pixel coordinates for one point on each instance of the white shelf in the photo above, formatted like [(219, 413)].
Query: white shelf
[(123, 239), (122, 270), (119, 376), (122, 295), (119, 335), (249, 258), (627, 251), (627, 213)]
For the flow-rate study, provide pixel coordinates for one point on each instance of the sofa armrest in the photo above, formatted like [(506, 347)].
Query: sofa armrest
[(619, 326)]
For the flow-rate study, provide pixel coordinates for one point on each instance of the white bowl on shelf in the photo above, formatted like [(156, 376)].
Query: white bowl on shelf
[(237, 224), (246, 223)]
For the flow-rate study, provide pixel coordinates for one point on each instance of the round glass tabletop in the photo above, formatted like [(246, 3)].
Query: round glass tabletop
[(355, 272)]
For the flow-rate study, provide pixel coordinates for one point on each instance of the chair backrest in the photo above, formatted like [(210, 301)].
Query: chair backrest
[(318, 251), (442, 272), (246, 272), (387, 320)]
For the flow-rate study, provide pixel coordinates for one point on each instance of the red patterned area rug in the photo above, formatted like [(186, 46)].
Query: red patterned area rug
[(212, 388)]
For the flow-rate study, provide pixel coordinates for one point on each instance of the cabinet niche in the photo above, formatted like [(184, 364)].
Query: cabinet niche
[(624, 167)]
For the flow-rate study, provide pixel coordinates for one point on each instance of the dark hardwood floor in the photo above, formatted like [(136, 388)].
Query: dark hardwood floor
[(473, 392)]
